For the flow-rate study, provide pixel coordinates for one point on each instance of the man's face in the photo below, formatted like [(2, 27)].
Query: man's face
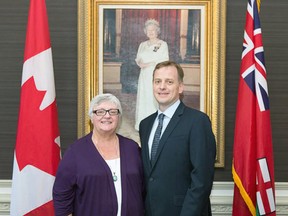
[(166, 86)]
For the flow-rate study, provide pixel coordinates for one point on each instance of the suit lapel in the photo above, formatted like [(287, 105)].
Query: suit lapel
[(169, 129), (145, 140)]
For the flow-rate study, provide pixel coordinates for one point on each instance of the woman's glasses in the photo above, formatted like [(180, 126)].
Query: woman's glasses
[(102, 112)]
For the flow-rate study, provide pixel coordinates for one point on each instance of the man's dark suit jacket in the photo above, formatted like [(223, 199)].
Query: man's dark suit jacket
[(181, 179)]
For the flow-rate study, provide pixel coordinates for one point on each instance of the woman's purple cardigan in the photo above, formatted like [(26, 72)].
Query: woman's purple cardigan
[(84, 184)]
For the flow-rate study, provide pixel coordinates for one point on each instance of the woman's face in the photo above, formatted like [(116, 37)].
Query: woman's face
[(107, 122), (151, 32)]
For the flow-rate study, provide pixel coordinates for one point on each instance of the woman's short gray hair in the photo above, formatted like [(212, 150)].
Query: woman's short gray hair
[(97, 100), (154, 23)]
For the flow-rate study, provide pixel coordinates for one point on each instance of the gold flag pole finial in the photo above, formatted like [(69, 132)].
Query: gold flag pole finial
[(258, 5)]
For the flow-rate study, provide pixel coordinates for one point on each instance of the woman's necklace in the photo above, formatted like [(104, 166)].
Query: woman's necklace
[(114, 176), (153, 42), (113, 165)]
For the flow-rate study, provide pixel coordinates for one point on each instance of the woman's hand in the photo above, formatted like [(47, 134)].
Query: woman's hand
[(144, 65)]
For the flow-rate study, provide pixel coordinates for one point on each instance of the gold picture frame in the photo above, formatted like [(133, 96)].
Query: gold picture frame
[(212, 64)]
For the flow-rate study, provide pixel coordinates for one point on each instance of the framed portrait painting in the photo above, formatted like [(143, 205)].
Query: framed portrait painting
[(113, 43)]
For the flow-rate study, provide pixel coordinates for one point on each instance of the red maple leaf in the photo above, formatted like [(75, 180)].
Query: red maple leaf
[(37, 131)]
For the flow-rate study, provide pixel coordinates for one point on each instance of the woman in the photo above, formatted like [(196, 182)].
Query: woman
[(150, 53), (101, 173)]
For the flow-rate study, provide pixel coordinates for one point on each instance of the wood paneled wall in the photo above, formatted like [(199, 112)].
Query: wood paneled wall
[(62, 16)]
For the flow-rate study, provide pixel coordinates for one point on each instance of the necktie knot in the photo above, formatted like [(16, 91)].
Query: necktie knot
[(161, 118)]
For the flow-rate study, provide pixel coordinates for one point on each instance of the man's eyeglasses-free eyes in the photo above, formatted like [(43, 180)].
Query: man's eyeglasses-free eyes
[(102, 112)]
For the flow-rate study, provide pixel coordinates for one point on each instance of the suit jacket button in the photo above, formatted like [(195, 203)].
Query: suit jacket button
[(151, 179)]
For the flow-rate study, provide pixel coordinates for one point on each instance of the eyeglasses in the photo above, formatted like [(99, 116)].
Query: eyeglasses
[(102, 112)]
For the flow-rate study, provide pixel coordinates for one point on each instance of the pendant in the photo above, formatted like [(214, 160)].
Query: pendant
[(115, 178)]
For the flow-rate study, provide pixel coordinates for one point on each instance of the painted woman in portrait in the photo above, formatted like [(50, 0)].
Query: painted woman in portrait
[(150, 53)]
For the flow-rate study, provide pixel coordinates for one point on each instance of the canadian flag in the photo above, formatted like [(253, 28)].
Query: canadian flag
[(37, 149)]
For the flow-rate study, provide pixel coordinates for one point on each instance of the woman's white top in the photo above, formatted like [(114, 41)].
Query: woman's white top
[(114, 166)]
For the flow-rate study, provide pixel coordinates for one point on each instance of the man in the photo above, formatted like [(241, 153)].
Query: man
[(179, 176)]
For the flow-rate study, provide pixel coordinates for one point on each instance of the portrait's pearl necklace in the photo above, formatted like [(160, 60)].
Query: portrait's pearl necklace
[(150, 43)]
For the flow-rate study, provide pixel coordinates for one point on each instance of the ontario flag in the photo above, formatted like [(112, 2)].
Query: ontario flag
[(37, 149), (253, 166)]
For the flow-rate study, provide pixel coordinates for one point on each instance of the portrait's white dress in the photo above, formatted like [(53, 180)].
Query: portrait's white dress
[(146, 103)]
